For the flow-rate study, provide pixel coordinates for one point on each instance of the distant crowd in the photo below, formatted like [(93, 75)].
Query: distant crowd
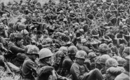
[(83, 40)]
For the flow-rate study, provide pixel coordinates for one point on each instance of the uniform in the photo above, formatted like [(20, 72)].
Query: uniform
[(123, 76), (66, 65), (15, 58), (28, 70), (78, 72)]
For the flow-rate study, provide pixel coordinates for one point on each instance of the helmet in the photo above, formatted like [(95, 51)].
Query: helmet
[(81, 30), (91, 55), (44, 53), (121, 61), (59, 54), (66, 32), (32, 49), (72, 49), (18, 36), (83, 40), (126, 50), (81, 54), (61, 11), (71, 12), (104, 58), (117, 57), (111, 62), (21, 26), (4, 15), (103, 47), (68, 43), (12, 36), (114, 70), (127, 58), (65, 19), (63, 49), (49, 39), (24, 32)]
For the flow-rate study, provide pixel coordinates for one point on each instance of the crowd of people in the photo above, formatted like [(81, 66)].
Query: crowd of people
[(83, 40)]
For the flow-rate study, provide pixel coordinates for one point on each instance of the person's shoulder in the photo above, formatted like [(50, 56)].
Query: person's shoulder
[(67, 60), (75, 65), (28, 61), (11, 43), (122, 76)]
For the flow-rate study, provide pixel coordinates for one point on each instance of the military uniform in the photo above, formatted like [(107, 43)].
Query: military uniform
[(14, 57), (28, 70), (78, 72)]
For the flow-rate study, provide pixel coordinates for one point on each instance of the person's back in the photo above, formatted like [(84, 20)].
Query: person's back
[(45, 72), (28, 69), (123, 76), (66, 65), (80, 70)]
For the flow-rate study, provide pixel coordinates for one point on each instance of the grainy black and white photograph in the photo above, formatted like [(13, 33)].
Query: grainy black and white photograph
[(64, 39)]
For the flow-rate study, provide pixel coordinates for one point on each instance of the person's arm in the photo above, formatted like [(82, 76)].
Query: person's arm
[(13, 67), (2, 47), (5, 64), (17, 49)]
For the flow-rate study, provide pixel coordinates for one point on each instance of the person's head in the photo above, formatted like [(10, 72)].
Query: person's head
[(64, 50), (12, 37), (24, 32), (83, 41), (4, 20), (121, 31), (103, 48), (18, 39), (120, 60), (72, 50), (1, 29), (39, 34), (59, 55), (92, 56), (81, 31), (112, 73), (20, 26), (80, 57), (32, 52), (34, 29), (111, 62), (49, 40), (100, 61), (126, 52), (45, 56)]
